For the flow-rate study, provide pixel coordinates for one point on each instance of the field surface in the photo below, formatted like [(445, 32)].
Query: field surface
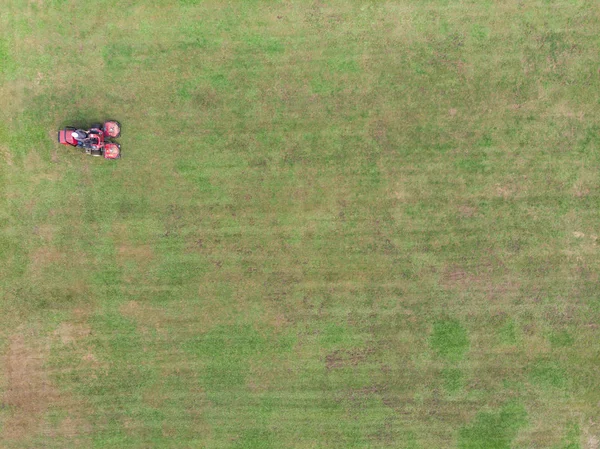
[(335, 224)]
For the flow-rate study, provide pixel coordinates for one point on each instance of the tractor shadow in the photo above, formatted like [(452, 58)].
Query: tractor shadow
[(81, 124)]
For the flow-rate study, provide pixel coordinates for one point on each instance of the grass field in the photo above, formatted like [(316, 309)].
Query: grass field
[(335, 224)]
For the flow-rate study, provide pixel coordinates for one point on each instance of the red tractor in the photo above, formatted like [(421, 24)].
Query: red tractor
[(94, 140)]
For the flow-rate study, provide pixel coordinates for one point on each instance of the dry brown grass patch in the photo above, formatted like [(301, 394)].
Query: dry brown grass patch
[(457, 278), (45, 256), (73, 426), (128, 251), (29, 392), (143, 314), (45, 232), (343, 358), (5, 155), (139, 254), (378, 131), (72, 332), (279, 322), (505, 191), (467, 211)]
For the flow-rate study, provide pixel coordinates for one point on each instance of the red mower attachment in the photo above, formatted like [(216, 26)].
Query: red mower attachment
[(112, 129), (112, 151)]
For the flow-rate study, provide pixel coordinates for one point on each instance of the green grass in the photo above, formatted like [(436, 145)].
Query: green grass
[(493, 430), (449, 339), (335, 224)]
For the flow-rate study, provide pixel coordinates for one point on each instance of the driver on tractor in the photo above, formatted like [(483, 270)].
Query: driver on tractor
[(84, 139), (80, 136)]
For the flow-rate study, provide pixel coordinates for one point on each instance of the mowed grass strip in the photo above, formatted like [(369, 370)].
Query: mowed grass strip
[(334, 225)]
